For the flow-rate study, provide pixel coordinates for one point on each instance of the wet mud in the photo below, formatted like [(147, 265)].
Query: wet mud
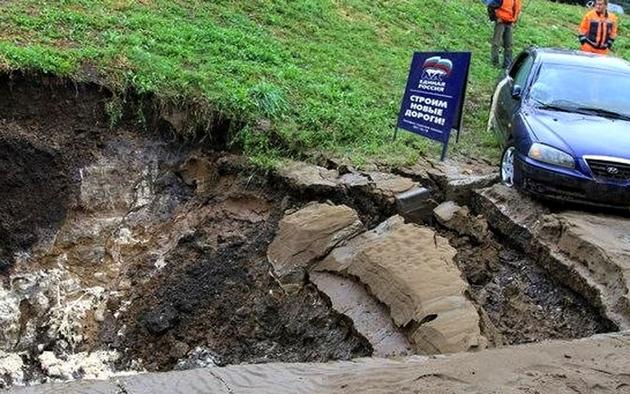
[(523, 302)]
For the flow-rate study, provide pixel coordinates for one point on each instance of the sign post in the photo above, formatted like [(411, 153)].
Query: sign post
[(434, 97)]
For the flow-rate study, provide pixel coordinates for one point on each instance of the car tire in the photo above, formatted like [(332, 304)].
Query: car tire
[(507, 169)]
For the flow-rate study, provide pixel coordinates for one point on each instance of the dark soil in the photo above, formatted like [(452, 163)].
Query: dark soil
[(215, 293), (523, 301), (33, 193), (225, 299), (46, 131)]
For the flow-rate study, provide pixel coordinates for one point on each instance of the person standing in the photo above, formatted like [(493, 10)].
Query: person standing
[(505, 15), (598, 29)]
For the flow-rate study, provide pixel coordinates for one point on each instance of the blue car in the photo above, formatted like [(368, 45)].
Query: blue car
[(563, 118)]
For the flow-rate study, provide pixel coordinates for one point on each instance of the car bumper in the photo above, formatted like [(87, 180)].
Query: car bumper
[(548, 182)]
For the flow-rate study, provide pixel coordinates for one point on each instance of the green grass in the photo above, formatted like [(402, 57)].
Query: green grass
[(325, 75)]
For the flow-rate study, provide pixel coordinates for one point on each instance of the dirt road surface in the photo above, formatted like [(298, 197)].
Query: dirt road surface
[(599, 364)]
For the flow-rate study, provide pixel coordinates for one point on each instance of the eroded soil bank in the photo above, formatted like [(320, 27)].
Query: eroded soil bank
[(148, 250), (123, 249)]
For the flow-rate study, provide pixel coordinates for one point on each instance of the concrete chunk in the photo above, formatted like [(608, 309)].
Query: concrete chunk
[(303, 176), (588, 252), (369, 317), (416, 204), (411, 270), (306, 236)]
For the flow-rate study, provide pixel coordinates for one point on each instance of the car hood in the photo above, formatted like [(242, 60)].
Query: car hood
[(581, 134)]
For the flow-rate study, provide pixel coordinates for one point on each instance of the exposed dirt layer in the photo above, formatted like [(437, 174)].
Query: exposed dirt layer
[(124, 250), (588, 252), (144, 248), (216, 292), (524, 303), (40, 144)]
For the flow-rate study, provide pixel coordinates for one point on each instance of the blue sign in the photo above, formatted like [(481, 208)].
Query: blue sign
[(434, 96)]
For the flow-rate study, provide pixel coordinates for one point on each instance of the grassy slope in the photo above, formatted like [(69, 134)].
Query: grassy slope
[(329, 74)]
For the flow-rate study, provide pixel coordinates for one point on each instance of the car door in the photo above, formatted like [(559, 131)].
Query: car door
[(509, 95)]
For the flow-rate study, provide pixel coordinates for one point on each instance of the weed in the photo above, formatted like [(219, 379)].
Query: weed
[(114, 110), (269, 99)]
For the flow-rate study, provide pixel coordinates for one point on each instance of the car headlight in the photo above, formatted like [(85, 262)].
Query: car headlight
[(551, 155)]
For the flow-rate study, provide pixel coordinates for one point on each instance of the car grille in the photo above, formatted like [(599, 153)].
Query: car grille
[(609, 169)]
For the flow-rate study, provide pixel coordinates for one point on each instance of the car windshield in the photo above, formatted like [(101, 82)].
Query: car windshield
[(582, 90)]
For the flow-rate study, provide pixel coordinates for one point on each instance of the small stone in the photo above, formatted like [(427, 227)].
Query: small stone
[(99, 313), (161, 319), (444, 212), (179, 349)]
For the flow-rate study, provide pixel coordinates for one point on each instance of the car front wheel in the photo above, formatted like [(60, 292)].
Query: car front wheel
[(507, 166)]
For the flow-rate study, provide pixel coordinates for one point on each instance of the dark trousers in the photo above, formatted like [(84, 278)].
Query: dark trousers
[(502, 35)]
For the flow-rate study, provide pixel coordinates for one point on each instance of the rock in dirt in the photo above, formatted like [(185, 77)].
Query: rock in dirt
[(459, 219), (306, 177), (306, 236), (46, 304), (11, 372), (410, 269), (200, 357), (445, 212), (369, 317), (96, 365), (456, 179), (161, 319), (588, 252)]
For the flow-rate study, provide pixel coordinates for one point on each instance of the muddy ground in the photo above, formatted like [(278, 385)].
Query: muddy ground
[(223, 299), (152, 250), (77, 196), (593, 365), (524, 302)]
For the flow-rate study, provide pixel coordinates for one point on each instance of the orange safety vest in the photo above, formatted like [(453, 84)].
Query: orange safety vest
[(509, 11), (598, 29)]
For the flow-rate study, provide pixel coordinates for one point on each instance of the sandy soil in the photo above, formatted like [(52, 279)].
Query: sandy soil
[(596, 365)]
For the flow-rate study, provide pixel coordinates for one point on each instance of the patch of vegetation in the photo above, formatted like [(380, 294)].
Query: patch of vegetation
[(324, 75)]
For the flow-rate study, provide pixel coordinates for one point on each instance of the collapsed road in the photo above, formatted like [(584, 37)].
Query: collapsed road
[(595, 364), (123, 250)]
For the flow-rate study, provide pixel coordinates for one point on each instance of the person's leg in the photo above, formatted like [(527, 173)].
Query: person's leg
[(496, 43), (507, 46)]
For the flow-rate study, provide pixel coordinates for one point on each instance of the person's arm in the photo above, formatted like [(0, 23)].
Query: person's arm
[(517, 10), (613, 34), (583, 30)]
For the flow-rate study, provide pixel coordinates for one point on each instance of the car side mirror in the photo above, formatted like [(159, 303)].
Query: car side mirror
[(517, 91)]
